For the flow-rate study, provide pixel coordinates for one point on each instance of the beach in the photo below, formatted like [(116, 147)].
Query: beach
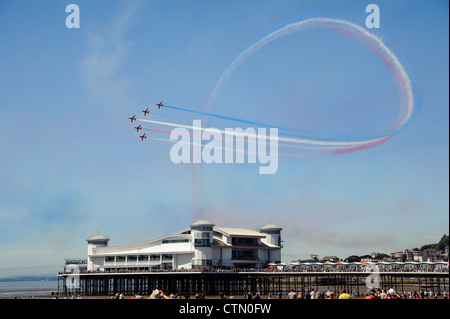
[(28, 289)]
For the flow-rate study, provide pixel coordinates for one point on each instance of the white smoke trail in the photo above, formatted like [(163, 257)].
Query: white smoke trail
[(230, 149), (335, 144), (267, 142)]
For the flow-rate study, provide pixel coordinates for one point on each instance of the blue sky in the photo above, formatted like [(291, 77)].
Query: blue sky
[(71, 163)]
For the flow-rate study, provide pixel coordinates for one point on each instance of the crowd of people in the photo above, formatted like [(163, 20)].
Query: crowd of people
[(371, 294), (307, 294), (159, 294)]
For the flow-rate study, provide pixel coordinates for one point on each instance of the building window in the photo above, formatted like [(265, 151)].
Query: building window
[(275, 232), (98, 242), (243, 241), (175, 241), (76, 262), (155, 257), (132, 258), (109, 259), (120, 259), (280, 242), (207, 228), (202, 242), (143, 257), (216, 233), (240, 254)]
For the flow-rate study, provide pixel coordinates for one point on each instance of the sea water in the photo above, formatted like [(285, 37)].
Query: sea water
[(26, 289)]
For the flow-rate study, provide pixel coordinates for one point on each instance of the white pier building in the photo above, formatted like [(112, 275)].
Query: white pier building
[(201, 245)]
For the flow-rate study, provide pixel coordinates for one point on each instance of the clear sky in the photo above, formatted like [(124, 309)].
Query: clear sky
[(71, 164)]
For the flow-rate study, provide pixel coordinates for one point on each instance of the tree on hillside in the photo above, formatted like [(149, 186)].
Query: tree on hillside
[(381, 256), (443, 242), (438, 246), (352, 259)]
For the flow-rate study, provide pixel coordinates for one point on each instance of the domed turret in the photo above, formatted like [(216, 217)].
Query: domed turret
[(270, 227), (202, 236), (95, 242), (201, 223), (98, 239), (273, 239), (273, 234)]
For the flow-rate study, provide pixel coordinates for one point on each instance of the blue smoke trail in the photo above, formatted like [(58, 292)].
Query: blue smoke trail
[(298, 133), (229, 118)]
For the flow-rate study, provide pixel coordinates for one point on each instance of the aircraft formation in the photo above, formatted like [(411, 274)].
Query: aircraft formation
[(146, 111)]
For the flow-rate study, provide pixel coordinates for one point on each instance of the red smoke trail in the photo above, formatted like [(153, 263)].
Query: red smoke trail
[(359, 147), (196, 135), (162, 131), (195, 192)]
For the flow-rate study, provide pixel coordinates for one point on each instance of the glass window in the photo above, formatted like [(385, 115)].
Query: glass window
[(202, 242), (98, 242), (216, 233), (270, 232), (208, 228), (237, 254), (243, 241), (109, 259), (175, 241)]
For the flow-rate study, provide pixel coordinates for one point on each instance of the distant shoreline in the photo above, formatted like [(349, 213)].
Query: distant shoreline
[(29, 278)]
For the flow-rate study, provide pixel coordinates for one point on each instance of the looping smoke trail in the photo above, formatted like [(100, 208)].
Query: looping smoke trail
[(400, 76), (373, 42)]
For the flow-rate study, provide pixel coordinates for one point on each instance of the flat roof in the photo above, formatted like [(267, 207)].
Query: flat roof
[(239, 232)]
